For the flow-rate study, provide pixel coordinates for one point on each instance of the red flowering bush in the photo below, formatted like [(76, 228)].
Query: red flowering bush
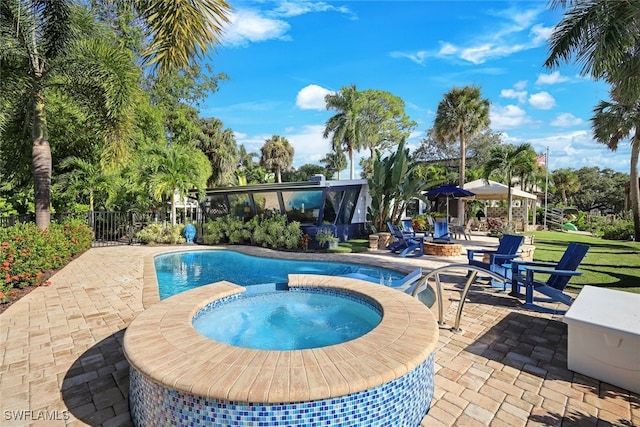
[(26, 252)]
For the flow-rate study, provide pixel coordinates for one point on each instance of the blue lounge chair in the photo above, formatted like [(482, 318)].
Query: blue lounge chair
[(407, 228), (506, 252), (523, 274), (406, 245), (405, 284), (441, 233)]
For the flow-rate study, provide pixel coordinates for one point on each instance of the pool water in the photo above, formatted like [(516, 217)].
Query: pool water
[(182, 271), (288, 320)]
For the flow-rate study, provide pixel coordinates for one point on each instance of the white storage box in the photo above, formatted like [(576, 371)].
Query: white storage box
[(604, 336)]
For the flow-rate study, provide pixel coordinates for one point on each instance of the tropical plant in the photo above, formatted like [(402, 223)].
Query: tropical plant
[(506, 161), (84, 178), (461, 114), (393, 183), (348, 126), (611, 123), (55, 46), (277, 155), (325, 235), (176, 171), (334, 161), (220, 147), (603, 37), (565, 181), (49, 46)]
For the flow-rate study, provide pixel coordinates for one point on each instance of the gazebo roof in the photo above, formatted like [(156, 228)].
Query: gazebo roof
[(495, 191)]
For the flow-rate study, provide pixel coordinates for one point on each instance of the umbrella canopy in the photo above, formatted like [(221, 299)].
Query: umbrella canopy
[(448, 191)]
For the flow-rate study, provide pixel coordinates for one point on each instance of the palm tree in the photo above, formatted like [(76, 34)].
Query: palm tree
[(84, 178), (611, 123), (180, 32), (277, 154), (245, 164), (219, 145), (177, 170), (348, 126), (602, 35), (565, 181), (461, 114), (334, 161), (43, 49), (506, 160)]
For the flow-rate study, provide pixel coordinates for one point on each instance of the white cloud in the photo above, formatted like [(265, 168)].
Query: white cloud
[(447, 49), (247, 26), (309, 145), (484, 52), (297, 8), (542, 101), (550, 79), (520, 85), (507, 117), (565, 120), (540, 34), (418, 57), (311, 97), (507, 37), (520, 95)]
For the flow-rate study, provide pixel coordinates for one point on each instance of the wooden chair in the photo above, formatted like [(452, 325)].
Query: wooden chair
[(523, 274), (506, 252)]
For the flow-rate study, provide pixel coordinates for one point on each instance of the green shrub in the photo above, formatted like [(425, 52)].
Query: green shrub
[(270, 232), (26, 252), (214, 232), (618, 230), (157, 233)]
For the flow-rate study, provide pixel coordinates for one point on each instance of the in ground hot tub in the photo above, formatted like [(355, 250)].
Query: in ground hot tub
[(384, 377)]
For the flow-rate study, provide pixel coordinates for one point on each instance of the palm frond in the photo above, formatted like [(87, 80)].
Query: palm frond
[(181, 30)]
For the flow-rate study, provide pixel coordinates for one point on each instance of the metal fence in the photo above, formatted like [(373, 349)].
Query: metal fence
[(109, 228)]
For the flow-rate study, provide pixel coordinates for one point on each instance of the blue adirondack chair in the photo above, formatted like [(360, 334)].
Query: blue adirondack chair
[(523, 274), (407, 228), (506, 252), (406, 245), (441, 232)]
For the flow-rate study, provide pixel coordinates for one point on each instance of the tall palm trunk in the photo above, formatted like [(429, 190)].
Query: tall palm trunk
[(461, 175), (352, 170), (634, 186), (41, 164)]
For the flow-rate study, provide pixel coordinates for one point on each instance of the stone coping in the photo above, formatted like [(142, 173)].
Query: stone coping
[(162, 344)]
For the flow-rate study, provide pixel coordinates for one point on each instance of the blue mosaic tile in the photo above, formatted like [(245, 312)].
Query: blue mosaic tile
[(401, 402)]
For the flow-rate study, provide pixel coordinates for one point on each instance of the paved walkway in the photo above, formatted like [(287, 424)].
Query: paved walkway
[(62, 362)]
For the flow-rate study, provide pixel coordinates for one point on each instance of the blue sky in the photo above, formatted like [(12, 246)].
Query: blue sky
[(283, 57)]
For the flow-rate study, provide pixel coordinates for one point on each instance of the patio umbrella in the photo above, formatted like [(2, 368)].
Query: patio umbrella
[(448, 191)]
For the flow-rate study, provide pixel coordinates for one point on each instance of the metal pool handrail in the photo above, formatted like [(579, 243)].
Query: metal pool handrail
[(473, 271)]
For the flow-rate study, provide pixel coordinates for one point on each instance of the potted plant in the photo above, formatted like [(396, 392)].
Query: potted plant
[(325, 236)]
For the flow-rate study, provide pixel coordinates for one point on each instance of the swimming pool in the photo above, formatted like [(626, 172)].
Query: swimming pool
[(182, 271), (294, 320)]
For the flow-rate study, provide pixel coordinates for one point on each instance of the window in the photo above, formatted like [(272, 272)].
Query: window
[(331, 206), (302, 206), (240, 206), (266, 202), (349, 205)]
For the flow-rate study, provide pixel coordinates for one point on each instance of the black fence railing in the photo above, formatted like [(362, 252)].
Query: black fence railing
[(109, 228)]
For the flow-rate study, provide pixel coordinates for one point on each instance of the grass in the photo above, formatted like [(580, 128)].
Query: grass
[(608, 264), (354, 245)]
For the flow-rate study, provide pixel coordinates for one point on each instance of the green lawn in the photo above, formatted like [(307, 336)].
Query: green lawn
[(609, 263)]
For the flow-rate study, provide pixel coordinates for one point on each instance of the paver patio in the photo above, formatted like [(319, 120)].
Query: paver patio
[(62, 361)]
